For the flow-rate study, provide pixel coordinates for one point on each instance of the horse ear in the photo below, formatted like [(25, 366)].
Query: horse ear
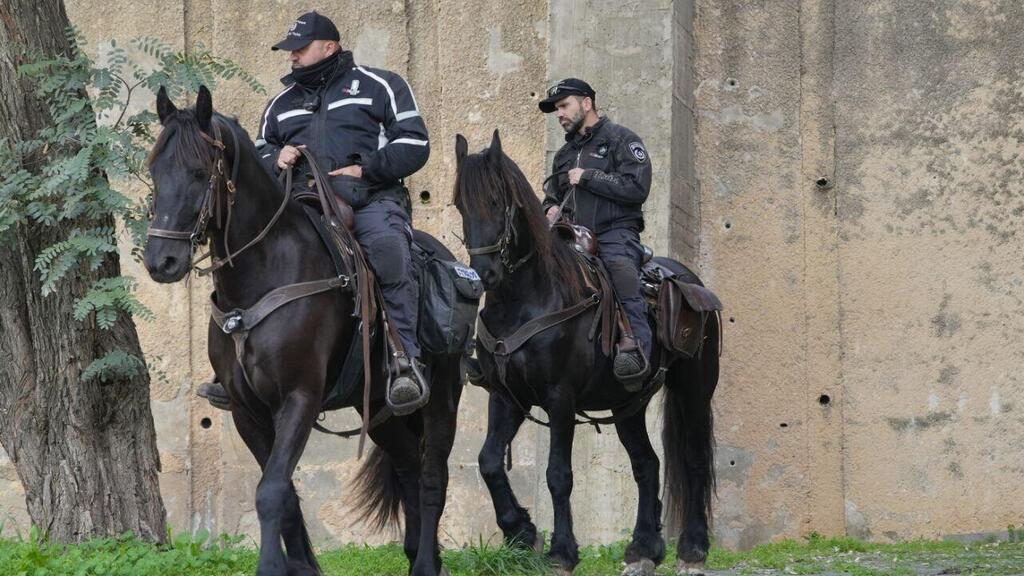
[(164, 106), (461, 149), (204, 108), (494, 152)]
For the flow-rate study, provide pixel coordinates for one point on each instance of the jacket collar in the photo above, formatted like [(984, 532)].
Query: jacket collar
[(344, 60), (586, 134)]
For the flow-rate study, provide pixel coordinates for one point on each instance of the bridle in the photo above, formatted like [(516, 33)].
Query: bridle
[(505, 242), (197, 235), (212, 207)]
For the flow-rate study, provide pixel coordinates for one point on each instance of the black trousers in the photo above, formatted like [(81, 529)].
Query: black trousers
[(622, 254)]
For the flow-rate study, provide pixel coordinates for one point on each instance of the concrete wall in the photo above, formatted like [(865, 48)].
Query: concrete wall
[(860, 194), (845, 176)]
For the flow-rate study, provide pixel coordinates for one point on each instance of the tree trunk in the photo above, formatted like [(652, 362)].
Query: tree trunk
[(85, 451)]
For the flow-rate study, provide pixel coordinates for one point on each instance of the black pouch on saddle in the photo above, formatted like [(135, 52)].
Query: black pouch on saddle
[(683, 309), (449, 298)]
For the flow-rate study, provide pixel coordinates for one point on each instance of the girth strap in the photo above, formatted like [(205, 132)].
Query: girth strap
[(238, 323), (502, 348)]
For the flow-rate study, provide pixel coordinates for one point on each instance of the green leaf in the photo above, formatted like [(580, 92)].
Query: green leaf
[(115, 365)]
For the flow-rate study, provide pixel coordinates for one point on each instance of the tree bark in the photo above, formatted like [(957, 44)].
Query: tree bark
[(85, 451)]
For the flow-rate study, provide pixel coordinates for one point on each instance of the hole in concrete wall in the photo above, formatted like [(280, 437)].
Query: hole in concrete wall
[(824, 400), (732, 462), (732, 319), (533, 95), (728, 225), (731, 82), (425, 197), (206, 423), (783, 425), (823, 183)]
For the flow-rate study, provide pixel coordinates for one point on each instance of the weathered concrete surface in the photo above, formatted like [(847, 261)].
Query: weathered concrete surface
[(929, 119), (845, 175), (859, 175)]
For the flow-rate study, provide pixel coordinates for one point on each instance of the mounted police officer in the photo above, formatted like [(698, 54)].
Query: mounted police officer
[(602, 178), (363, 125)]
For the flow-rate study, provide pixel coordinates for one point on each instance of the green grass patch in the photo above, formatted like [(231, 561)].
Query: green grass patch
[(206, 555)]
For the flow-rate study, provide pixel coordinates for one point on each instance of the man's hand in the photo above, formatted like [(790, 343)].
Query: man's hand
[(288, 156), (552, 213), (355, 171), (574, 176)]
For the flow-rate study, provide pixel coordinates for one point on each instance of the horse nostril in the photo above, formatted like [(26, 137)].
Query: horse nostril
[(168, 264)]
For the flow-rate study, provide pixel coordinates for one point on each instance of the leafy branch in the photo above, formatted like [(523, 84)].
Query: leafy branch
[(67, 176)]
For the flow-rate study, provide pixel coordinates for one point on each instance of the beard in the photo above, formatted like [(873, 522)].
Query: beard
[(573, 125)]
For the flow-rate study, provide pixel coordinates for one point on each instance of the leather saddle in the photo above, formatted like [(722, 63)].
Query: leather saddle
[(678, 308)]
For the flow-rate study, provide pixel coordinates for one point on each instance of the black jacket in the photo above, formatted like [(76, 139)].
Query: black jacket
[(616, 178), (362, 116)]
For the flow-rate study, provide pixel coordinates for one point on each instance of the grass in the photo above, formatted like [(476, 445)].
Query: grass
[(205, 555)]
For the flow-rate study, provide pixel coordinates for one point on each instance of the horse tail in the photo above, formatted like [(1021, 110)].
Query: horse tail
[(688, 435), (378, 494)]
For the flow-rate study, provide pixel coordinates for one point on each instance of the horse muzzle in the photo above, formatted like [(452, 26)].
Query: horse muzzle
[(167, 260)]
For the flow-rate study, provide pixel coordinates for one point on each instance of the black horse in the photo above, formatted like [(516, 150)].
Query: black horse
[(530, 275), (278, 377)]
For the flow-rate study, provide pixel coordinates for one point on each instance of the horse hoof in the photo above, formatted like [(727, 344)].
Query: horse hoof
[(643, 567), (689, 568), (538, 544)]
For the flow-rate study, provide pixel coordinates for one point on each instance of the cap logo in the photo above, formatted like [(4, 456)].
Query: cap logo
[(291, 31)]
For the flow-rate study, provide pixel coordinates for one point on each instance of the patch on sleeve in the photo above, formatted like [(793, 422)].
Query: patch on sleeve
[(638, 151)]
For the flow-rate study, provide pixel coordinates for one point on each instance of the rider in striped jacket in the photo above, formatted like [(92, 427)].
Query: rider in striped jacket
[(363, 126)]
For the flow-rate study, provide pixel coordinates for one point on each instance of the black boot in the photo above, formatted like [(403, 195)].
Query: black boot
[(409, 390), (474, 373), (631, 367), (215, 394)]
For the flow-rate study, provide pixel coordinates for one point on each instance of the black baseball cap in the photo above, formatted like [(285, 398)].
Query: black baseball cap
[(565, 88), (306, 28)]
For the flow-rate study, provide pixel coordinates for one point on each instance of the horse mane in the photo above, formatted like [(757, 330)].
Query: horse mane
[(192, 148), (487, 189)]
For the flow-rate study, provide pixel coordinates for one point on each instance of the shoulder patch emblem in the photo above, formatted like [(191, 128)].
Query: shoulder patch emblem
[(638, 151)]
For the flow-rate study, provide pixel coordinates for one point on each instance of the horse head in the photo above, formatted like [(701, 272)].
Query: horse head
[(187, 166), (500, 215)]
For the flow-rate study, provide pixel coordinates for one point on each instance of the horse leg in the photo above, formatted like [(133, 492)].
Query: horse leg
[(439, 430), (402, 448), (259, 438), (503, 421), (276, 500), (564, 549), (647, 548), (688, 437)]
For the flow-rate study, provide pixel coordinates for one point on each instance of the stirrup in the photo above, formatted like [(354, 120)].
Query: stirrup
[(409, 391)]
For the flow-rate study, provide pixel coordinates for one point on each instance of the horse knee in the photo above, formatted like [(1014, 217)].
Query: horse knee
[(272, 500), (492, 463)]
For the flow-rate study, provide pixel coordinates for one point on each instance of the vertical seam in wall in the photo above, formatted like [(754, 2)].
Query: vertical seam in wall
[(843, 481), (189, 408), (807, 491)]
